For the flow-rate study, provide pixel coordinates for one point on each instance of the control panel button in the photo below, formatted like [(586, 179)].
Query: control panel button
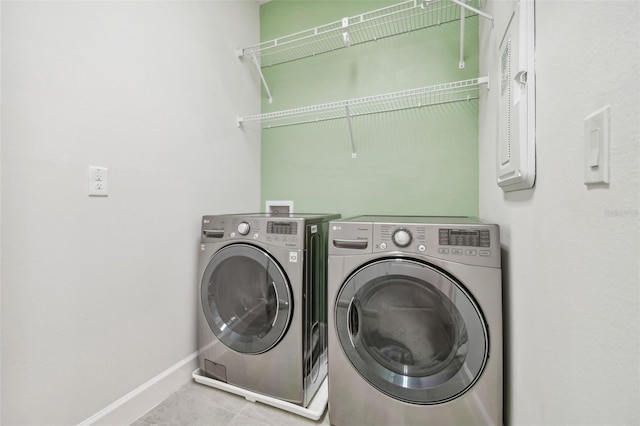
[(402, 238), (243, 228), (383, 246), (485, 253), (422, 248), (443, 250), (470, 252), (457, 251)]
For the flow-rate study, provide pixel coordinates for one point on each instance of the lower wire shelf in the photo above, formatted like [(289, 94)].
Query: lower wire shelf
[(414, 98), (458, 91), (314, 411)]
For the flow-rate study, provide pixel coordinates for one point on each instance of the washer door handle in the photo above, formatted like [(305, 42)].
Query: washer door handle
[(353, 321)]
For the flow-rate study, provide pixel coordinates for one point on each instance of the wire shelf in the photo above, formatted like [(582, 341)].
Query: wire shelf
[(385, 22), (415, 98)]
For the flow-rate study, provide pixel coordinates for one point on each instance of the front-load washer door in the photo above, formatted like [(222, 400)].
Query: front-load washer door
[(411, 330), (246, 298)]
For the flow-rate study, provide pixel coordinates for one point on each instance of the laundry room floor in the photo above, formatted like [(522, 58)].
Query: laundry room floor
[(198, 405)]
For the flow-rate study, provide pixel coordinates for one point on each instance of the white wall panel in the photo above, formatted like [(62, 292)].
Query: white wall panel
[(571, 251), (99, 293)]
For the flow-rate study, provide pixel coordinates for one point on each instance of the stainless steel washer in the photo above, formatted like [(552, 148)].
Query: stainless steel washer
[(262, 321), (415, 321)]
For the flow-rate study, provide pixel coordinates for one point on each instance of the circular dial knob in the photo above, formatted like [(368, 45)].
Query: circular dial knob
[(402, 238), (244, 228)]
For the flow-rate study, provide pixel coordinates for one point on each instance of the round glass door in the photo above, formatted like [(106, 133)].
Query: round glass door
[(411, 331), (246, 298)]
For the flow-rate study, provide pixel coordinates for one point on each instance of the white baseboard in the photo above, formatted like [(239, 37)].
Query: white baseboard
[(133, 405)]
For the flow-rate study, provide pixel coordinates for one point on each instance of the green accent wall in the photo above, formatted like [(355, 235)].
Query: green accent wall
[(421, 161)]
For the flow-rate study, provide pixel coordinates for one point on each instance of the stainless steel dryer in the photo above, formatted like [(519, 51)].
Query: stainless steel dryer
[(415, 321), (262, 322)]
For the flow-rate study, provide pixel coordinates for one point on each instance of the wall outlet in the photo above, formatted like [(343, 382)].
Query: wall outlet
[(98, 181)]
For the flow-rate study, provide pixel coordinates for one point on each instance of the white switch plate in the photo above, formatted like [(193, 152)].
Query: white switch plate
[(596, 147), (98, 181)]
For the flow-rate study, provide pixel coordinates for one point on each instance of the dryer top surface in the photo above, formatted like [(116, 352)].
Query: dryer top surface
[(307, 217)]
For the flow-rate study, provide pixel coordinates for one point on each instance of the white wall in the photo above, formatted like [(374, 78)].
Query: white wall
[(99, 294), (571, 252), (0, 216)]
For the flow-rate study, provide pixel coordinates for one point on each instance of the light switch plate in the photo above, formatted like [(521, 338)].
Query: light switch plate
[(596, 147)]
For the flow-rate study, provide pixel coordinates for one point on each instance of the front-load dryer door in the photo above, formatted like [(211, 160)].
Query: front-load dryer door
[(411, 330), (246, 298)]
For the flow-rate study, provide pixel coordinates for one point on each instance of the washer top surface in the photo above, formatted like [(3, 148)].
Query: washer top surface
[(463, 220)]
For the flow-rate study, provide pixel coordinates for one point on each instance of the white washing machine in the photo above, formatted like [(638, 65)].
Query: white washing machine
[(262, 322), (415, 321)]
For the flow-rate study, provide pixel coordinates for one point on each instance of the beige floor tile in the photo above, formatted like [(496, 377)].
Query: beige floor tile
[(198, 405)]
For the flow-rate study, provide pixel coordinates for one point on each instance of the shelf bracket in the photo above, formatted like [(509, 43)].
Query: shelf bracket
[(264, 82), (463, 7), (345, 34), (474, 10), (462, 23), (485, 80), (353, 145)]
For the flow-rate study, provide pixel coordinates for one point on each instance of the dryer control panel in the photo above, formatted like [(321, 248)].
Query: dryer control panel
[(278, 232)]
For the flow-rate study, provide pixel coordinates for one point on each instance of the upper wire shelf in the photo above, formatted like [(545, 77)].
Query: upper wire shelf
[(414, 98), (385, 22)]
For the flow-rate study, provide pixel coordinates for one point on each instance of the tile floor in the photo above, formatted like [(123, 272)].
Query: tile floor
[(195, 404)]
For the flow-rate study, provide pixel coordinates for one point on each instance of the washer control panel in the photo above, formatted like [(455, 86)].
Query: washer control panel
[(463, 241), (471, 244)]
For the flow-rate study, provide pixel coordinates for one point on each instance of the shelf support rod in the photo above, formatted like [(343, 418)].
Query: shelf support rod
[(473, 9), (462, 18), (353, 145), (264, 82)]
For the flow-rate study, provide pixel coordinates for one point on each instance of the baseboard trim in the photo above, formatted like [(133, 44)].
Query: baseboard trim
[(133, 405)]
